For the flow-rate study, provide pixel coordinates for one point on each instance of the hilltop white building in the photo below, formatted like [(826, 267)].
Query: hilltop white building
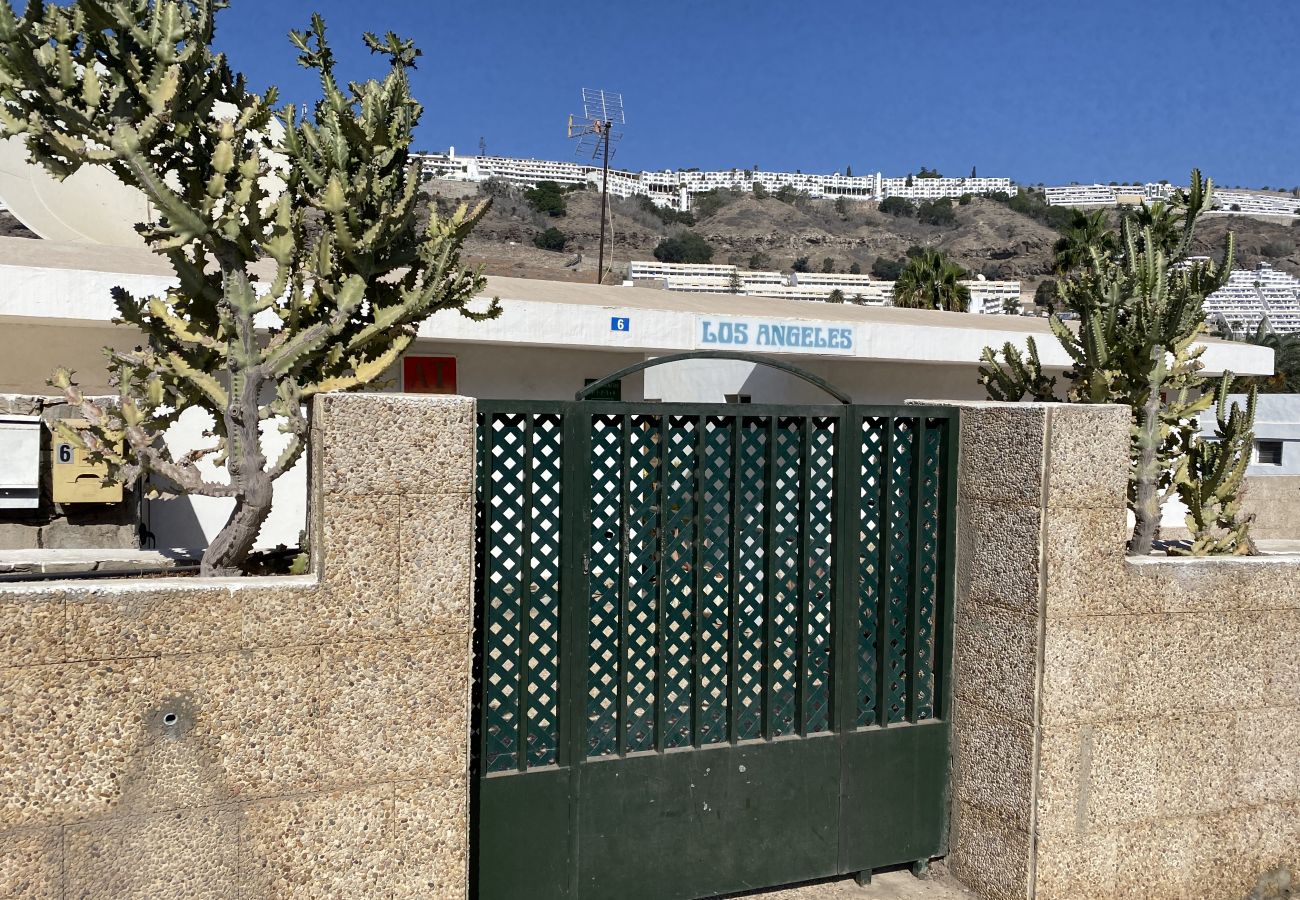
[(1226, 200), (987, 297), (675, 189)]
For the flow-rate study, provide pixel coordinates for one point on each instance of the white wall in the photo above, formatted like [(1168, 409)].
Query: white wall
[(191, 522)]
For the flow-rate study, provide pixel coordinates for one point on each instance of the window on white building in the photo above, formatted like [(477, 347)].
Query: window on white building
[(1268, 453)]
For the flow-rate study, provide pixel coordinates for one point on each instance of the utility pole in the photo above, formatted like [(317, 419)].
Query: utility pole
[(594, 129), (604, 205)]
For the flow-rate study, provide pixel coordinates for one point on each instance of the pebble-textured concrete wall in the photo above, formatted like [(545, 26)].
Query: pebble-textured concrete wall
[(1275, 501), (295, 737), (1123, 728)]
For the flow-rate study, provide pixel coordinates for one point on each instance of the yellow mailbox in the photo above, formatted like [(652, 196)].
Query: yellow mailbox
[(77, 480)]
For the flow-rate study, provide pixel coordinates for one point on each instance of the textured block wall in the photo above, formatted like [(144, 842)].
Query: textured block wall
[(1123, 728), (290, 737)]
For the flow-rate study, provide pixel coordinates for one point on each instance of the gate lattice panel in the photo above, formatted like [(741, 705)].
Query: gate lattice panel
[(723, 614)]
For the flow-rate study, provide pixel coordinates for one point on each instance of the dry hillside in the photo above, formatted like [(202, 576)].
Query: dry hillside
[(987, 237)]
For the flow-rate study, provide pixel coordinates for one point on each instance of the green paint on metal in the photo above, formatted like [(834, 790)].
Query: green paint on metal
[(610, 390), (694, 622)]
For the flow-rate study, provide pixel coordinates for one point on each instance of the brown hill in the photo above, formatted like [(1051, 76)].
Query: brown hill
[(986, 237)]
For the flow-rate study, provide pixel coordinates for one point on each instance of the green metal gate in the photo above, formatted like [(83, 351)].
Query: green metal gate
[(714, 645)]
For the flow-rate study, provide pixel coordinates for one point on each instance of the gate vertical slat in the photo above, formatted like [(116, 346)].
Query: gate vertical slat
[(946, 572), (661, 584), (733, 604), (913, 665), (883, 574), (846, 487), (696, 718), (803, 594), (575, 613), (625, 482), (768, 604), (525, 595)]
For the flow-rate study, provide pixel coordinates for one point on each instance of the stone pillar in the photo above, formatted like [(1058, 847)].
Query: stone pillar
[(1122, 728), (1010, 492)]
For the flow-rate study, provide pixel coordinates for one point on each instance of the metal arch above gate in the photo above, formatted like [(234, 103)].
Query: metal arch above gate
[(740, 356)]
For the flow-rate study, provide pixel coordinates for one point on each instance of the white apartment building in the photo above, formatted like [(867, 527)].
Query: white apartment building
[(1255, 203), (987, 297), (1226, 200), (842, 280), (674, 189), (1254, 296), (993, 297), (939, 188)]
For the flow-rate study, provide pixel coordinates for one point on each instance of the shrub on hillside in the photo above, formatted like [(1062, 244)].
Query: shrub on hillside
[(551, 239), (897, 206), (886, 269), (547, 198), (936, 212), (685, 247)]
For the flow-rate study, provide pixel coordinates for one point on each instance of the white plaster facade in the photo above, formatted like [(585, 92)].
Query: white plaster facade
[(552, 337)]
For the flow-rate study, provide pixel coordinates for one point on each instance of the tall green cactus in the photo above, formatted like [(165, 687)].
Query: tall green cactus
[(1019, 377), (1211, 476), (1139, 304), (322, 201)]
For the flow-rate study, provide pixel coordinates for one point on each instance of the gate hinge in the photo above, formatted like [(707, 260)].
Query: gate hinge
[(586, 564)]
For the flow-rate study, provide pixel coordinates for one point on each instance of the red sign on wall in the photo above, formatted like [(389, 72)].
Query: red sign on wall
[(429, 374)]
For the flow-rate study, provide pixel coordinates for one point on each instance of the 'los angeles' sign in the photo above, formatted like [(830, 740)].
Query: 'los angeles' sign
[(772, 336)]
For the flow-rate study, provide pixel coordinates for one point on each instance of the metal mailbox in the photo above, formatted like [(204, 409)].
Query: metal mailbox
[(20, 461), (75, 478)]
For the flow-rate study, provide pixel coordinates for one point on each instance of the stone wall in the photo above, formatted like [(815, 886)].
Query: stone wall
[(58, 526), (1275, 501), (260, 737), (1123, 728)]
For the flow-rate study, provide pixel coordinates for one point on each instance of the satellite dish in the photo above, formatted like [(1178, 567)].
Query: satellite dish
[(92, 206), (89, 207)]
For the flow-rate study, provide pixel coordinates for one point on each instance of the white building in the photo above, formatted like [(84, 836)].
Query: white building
[(1277, 433), (1226, 200), (675, 188), (551, 339), (994, 297), (1255, 296), (987, 297)]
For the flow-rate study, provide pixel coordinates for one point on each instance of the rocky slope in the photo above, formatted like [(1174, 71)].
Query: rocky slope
[(987, 237)]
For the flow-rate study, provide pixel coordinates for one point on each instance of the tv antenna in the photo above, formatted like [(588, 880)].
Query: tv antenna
[(602, 112)]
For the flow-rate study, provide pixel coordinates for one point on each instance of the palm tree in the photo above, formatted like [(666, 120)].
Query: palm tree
[(1286, 361), (929, 281), (1084, 232)]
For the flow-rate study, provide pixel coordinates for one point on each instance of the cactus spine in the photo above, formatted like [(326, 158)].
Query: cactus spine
[(324, 201), (1140, 309)]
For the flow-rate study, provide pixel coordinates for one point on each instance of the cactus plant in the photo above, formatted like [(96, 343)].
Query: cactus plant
[(1139, 302), (1018, 377), (1210, 480), (300, 263)]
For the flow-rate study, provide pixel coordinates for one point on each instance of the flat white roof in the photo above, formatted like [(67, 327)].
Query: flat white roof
[(51, 280)]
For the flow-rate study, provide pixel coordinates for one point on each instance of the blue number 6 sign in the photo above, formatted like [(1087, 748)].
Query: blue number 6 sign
[(619, 323)]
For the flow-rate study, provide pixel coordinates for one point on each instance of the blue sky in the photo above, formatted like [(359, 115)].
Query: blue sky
[(1039, 90)]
